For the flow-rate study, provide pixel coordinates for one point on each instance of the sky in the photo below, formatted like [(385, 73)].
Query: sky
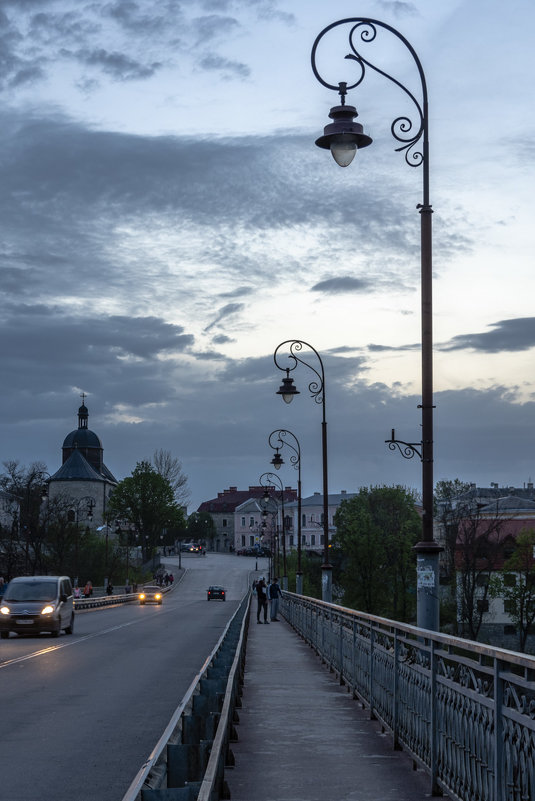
[(166, 221)]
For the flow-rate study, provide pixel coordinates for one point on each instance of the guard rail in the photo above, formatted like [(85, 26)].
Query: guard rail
[(465, 711), (108, 600), (188, 761)]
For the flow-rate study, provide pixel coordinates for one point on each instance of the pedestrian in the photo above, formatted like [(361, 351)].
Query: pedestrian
[(109, 588), (275, 594), (88, 589), (261, 594)]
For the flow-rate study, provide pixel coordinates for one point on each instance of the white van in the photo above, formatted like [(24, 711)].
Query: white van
[(32, 604)]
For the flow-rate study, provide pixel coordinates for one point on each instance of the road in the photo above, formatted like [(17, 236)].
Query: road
[(80, 714)]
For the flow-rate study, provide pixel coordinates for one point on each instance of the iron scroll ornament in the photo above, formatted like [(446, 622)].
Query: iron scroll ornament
[(316, 388), (403, 129)]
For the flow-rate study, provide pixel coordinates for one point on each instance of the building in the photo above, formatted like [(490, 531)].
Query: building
[(222, 510), (248, 522), (83, 480)]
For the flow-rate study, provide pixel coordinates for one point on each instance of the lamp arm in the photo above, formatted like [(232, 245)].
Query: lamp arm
[(316, 388)]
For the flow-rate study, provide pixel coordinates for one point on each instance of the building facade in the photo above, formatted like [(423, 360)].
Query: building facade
[(222, 511)]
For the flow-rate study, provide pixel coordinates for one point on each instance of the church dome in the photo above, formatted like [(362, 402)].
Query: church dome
[(82, 438)]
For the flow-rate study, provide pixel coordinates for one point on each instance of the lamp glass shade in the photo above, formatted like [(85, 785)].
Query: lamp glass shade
[(343, 151)]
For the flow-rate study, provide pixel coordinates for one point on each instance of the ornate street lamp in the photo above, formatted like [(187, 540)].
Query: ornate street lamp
[(271, 481), (317, 391), (277, 440), (344, 140)]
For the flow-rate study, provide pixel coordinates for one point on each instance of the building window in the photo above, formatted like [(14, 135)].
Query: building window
[(483, 605), (251, 521), (243, 522), (312, 539), (291, 540), (509, 607), (251, 540), (482, 580), (509, 580), (303, 520), (303, 539), (509, 630), (224, 522), (311, 518)]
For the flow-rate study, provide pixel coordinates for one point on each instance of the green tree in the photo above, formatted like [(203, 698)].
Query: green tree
[(146, 501), (516, 585), (201, 526), (27, 485), (376, 532)]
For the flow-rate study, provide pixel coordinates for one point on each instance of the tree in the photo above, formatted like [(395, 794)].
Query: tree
[(146, 501), (376, 532), (201, 526), (170, 467), (27, 485), (451, 506), (480, 541), (516, 585)]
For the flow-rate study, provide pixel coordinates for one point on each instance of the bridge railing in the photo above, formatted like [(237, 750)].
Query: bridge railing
[(189, 759), (465, 711)]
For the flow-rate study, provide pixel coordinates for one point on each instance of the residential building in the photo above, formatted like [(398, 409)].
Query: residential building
[(222, 510)]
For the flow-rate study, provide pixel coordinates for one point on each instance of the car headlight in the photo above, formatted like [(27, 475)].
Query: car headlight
[(158, 596), (5, 610), (47, 610), (141, 597)]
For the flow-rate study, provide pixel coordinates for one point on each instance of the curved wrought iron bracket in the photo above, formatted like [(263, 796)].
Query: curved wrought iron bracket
[(316, 388), (404, 130), (281, 435), (407, 449)]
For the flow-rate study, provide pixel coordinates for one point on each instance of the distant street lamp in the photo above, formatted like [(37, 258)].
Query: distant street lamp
[(280, 436), (271, 481), (316, 388), (344, 137)]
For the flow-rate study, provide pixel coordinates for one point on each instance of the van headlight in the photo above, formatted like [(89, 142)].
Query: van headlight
[(5, 610), (47, 610)]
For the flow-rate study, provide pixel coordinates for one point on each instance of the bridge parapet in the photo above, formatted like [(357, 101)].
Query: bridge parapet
[(465, 711)]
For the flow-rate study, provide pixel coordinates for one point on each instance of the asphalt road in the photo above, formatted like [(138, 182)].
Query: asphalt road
[(80, 714)]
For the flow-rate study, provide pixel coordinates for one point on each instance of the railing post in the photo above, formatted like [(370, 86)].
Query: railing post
[(395, 708), (433, 723), (341, 649), (498, 731), (372, 644)]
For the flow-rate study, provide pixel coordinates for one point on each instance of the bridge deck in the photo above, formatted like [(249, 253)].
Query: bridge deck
[(303, 738)]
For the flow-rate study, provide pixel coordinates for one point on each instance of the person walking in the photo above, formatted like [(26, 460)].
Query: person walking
[(275, 594), (261, 594)]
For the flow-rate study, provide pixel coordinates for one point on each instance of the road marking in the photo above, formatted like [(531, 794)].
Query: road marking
[(51, 648)]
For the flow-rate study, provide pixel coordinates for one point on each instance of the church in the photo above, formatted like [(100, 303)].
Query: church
[(83, 479)]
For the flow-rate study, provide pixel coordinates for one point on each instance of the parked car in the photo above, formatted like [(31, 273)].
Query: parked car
[(150, 595), (32, 604), (216, 592)]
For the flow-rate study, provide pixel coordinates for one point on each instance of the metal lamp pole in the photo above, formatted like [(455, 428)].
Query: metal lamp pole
[(268, 480), (344, 137), (317, 391), (279, 436)]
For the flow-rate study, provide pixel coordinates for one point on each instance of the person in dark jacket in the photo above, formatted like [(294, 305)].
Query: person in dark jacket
[(261, 594), (274, 595)]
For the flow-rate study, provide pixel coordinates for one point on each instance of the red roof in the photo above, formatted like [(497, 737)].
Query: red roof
[(229, 499)]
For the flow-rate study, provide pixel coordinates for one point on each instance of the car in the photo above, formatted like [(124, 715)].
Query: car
[(150, 595), (32, 604), (216, 592)]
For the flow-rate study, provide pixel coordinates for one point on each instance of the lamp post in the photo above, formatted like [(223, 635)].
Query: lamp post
[(344, 137), (270, 480), (280, 436), (316, 388)]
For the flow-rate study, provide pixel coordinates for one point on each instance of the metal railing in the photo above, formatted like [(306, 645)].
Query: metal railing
[(465, 711), (190, 757)]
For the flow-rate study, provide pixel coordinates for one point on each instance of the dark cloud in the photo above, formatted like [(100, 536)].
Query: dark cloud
[(341, 285), (118, 66), (214, 26), (224, 312), (239, 292), (505, 336), (215, 63)]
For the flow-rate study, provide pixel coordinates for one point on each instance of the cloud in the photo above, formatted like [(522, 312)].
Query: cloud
[(117, 65), (215, 63), (505, 336), (341, 285), (224, 312)]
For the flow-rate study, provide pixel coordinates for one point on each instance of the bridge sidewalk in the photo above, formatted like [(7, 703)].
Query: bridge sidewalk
[(303, 738)]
